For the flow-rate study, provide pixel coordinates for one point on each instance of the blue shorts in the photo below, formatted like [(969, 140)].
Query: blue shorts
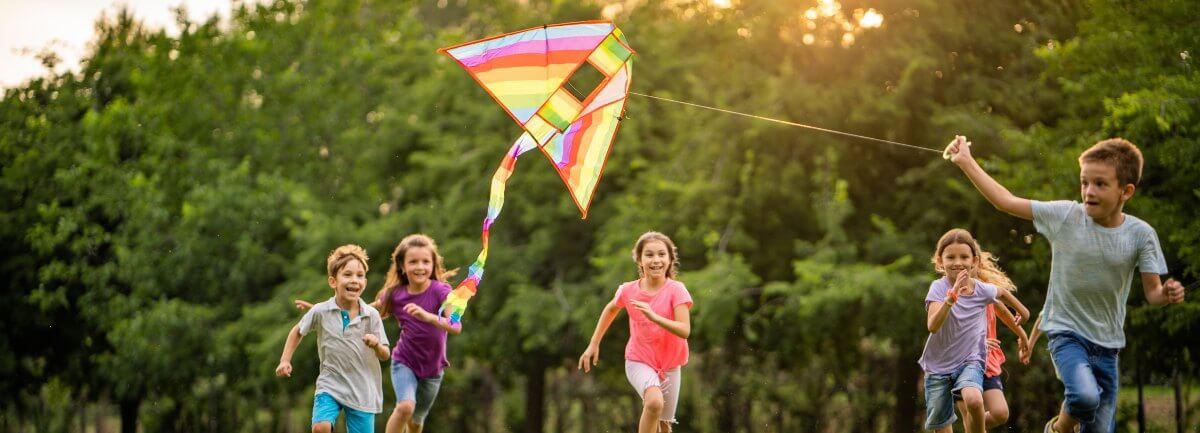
[(326, 408), (1088, 373), (989, 383), (422, 392), (940, 389)]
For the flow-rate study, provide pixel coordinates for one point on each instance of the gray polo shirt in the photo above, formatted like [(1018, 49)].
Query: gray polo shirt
[(1091, 270), (350, 371)]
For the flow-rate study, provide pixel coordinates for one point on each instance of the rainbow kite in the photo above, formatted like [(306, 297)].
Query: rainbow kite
[(527, 72)]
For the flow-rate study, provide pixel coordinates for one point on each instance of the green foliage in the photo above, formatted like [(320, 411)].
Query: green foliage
[(161, 207)]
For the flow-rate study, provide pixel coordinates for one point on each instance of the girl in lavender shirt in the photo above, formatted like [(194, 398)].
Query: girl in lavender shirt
[(414, 290), (954, 354)]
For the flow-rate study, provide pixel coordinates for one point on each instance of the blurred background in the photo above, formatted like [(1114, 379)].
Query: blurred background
[(173, 177)]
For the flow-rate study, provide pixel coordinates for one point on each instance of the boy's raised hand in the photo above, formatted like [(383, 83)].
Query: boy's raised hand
[(302, 305), (1174, 290), (284, 369), (958, 151)]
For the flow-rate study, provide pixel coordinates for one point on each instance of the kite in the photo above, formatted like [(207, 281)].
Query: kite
[(527, 72)]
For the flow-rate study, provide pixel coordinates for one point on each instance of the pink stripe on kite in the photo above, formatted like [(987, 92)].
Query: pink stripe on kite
[(578, 43)]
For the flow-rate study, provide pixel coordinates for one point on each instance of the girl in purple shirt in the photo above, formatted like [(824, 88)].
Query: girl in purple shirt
[(414, 290)]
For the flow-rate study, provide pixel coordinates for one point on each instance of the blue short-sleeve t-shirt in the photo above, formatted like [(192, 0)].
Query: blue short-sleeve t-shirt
[(1092, 269)]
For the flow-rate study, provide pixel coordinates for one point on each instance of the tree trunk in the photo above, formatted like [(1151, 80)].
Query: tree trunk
[(1141, 407), (906, 393), (129, 414), (1176, 382), (535, 396)]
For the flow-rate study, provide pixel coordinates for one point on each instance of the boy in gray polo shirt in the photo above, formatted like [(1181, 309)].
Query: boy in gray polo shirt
[(350, 342), (1095, 247)]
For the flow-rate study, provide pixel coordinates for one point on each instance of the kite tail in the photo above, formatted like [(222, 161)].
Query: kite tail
[(456, 302)]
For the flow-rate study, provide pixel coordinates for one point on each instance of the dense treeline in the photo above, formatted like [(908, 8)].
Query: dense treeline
[(162, 206)]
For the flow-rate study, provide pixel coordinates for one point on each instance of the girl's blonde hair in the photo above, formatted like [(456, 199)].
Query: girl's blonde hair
[(671, 251), (395, 274), (339, 257), (988, 270)]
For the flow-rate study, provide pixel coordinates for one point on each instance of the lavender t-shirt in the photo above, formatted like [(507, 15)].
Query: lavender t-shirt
[(421, 346), (963, 336)]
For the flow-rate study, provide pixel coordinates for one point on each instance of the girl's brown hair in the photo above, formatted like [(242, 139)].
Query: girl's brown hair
[(988, 270), (339, 257), (395, 274), (671, 251)]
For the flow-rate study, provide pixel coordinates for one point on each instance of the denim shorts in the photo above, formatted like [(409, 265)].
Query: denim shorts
[(1089, 375), (940, 389), (422, 392), (989, 383), (326, 408)]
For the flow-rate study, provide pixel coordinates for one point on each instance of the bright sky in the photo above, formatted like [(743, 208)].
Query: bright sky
[(68, 25)]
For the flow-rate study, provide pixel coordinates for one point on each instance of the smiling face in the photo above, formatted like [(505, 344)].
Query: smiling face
[(418, 266), (349, 282), (1103, 195), (655, 260), (956, 258)]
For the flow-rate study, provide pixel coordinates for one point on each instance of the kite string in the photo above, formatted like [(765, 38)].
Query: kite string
[(785, 122)]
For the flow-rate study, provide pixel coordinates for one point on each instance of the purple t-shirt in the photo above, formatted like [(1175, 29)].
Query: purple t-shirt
[(963, 336), (421, 346)]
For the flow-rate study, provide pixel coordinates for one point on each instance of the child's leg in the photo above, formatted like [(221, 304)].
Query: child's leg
[(325, 413), (973, 418), (652, 405), (664, 427), (404, 383), (670, 389), (1105, 370), (995, 408), (647, 383), (962, 410), (1081, 396), (969, 384), (427, 391)]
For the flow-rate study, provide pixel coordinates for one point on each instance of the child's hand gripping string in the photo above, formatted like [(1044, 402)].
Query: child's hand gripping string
[(1175, 291), (958, 151)]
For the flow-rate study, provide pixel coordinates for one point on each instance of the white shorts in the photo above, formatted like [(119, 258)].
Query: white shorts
[(642, 377)]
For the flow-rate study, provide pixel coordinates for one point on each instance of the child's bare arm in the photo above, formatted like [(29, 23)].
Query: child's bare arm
[(591, 355), (1026, 352), (959, 152), (289, 347), (681, 326), (1011, 300), (1159, 294), (936, 316), (379, 347), (1006, 317)]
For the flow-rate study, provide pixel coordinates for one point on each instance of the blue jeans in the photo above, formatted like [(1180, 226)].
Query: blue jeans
[(940, 389), (326, 408), (422, 392), (1089, 375)]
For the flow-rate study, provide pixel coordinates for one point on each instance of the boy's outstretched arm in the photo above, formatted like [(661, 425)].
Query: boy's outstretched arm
[(285, 360), (1159, 294), (959, 152)]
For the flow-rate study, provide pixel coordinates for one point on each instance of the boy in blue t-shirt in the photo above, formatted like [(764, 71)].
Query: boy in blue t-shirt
[(1095, 248)]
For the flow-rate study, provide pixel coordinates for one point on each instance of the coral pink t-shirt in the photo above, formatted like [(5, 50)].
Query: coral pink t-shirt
[(650, 343), (995, 356)]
